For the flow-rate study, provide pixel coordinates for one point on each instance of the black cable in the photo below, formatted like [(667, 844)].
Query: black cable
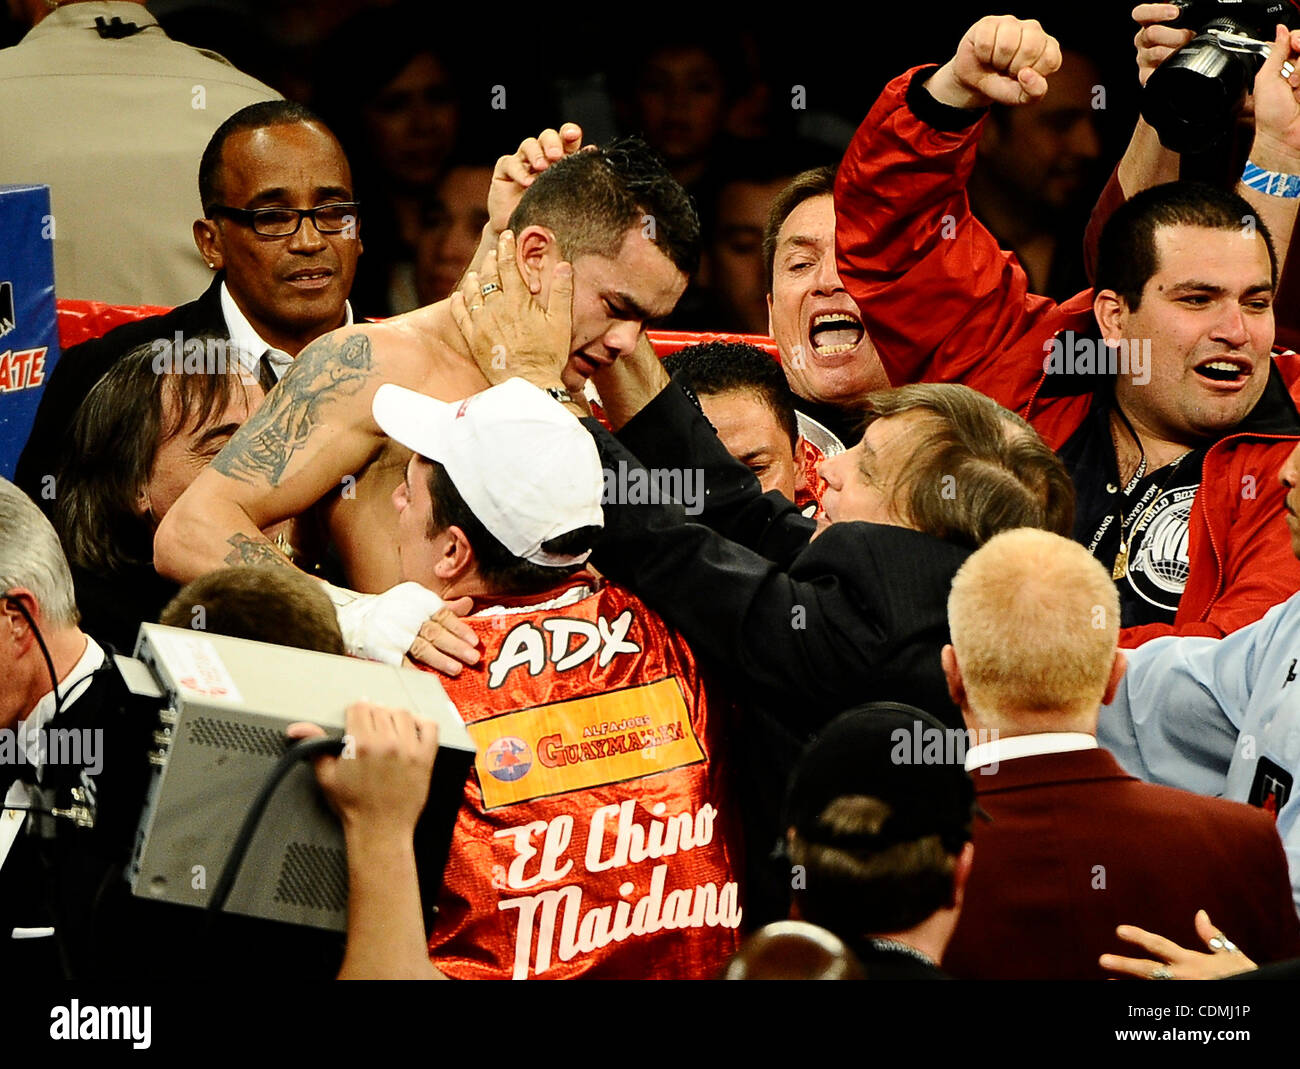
[(300, 751), (45, 651)]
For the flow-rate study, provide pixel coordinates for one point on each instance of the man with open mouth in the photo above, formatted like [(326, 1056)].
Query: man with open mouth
[(1157, 387), (828, 358)]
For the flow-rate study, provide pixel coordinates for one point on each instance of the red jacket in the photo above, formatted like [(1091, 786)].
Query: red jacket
[(943, 303)]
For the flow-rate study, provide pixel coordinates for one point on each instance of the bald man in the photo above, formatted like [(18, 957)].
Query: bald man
[(1076, 846)]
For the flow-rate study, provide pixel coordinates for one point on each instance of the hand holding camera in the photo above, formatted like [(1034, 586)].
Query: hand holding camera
[(1155, 40), (1277, 107), (1198, 58)]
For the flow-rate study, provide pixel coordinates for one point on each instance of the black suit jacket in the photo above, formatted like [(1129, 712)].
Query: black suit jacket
[(56, 871), (82, 366), (806, 628), (800, 630)]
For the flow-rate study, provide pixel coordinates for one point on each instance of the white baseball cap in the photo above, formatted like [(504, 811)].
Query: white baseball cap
[(526, 468)]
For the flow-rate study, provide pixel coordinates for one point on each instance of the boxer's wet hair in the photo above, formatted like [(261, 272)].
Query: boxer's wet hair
[(591, 199)]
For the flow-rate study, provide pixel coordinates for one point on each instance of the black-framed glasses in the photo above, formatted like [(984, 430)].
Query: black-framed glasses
[(284, 222)]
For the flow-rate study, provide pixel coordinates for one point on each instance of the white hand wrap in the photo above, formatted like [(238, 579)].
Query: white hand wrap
[(381, 627)]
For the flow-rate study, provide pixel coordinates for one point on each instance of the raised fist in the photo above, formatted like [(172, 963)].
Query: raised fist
[(1001, 60)]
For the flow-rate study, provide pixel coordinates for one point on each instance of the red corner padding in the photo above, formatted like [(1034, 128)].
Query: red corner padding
[(667, 342), (82, 320)]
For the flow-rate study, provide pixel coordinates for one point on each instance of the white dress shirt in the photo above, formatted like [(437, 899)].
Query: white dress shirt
[(998, 750), (248, 344)]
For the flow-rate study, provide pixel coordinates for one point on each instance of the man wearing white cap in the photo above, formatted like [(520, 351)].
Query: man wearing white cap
[(596, 837), (579, 231)]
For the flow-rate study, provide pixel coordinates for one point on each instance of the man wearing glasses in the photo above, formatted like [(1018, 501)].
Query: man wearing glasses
[(281, 223), (281, 232)]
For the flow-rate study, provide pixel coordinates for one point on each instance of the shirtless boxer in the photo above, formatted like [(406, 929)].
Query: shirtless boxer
[(631, 236)]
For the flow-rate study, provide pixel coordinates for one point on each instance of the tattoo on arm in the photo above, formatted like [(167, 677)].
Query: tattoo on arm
[(252, 551), (325, 371)]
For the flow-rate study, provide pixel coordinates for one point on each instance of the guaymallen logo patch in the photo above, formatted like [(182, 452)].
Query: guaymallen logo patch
[(508, 759), (587, 742)]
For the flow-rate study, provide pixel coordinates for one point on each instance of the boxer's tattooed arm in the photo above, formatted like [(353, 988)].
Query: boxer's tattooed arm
[(252, 551), (324, 372)]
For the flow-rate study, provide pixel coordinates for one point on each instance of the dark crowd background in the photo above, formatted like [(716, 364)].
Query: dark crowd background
[(425, 101)]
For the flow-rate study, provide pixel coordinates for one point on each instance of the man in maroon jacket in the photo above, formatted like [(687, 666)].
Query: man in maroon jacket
[(1075, 846), (1156, 388)]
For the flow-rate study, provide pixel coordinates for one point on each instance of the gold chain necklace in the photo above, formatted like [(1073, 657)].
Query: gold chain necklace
[(1120, 568)]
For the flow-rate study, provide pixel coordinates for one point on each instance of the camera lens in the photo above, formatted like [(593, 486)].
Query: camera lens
[(1192, 97)]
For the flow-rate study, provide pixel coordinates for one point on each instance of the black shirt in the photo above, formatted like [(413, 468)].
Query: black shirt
[(1155, 506), (1148, 517)]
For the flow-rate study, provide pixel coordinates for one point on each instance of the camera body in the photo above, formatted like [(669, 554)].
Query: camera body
[(1192, 98), (1253, 18)]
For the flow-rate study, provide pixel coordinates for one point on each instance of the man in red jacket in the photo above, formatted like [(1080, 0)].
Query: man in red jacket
[(1156, 388), (1075, 846)]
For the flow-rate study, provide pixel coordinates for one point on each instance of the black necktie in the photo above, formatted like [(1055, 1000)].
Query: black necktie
[(8, 774), (266, 373)]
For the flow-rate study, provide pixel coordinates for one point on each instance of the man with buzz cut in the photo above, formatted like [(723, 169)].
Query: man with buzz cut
[(597, 837), (1075, 846), (1158, 388), (609, 226)]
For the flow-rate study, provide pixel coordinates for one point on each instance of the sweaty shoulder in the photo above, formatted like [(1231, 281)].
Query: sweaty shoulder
[(409, 351), (393, 352)]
